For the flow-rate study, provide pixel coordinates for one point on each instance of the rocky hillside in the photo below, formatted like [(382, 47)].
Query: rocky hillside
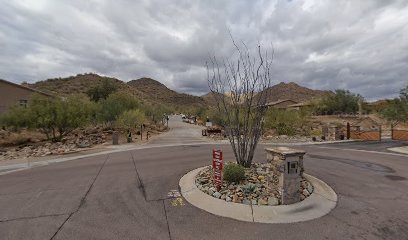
[(294, 92), (144, 89), (283, 91), (209, 99), (155, 91), (150, 90), (76, 84)]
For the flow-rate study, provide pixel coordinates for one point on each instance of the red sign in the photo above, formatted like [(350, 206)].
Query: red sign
[(218, 166)]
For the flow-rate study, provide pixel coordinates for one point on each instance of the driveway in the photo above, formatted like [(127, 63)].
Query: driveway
[(125, 196)]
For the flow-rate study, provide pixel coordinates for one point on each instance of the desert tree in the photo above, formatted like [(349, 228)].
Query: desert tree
[(397, 109), (240, 87)]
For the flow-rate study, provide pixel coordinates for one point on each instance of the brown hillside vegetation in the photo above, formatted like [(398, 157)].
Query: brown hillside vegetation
[(152, 91), (283, 91), (144, 89), (209, 98), (158, 92), (79, 84), (294, 92)]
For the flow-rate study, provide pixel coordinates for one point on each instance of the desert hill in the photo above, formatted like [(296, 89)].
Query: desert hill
[(158, 92), (76, 84), (144, 89), (284, 91), (294, 92), (152, 91), (209, 99)]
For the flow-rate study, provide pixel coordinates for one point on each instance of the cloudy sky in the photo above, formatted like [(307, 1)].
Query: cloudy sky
[(359, 45)]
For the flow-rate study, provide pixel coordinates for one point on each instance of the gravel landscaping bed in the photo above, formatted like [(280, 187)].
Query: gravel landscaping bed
[(258, 188)]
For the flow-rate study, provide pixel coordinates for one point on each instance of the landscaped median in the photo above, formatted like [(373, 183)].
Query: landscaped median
[(322, 200)]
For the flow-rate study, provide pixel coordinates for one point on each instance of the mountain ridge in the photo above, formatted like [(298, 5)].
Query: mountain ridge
[(150, 90)]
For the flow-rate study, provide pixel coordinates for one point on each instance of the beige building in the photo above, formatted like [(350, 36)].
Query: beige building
[(14, 94), (281, 104)]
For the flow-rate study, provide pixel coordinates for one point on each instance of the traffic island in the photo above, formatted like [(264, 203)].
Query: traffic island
[(274, 192), (260, 187)]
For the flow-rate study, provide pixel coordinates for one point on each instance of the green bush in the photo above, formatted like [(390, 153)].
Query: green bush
[(234, 172), (112, 107), (397, 109), (343, 101), (55, 117), (131, 119), (102, 90), (156, 112), (286, 122)]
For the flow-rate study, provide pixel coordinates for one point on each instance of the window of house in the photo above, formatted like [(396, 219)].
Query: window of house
[(23, 103)]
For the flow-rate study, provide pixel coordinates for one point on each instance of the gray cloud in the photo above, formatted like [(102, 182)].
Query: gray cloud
[(358, 45)]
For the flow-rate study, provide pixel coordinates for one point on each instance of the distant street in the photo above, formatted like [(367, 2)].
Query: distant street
[(181, 133), (125, 195)]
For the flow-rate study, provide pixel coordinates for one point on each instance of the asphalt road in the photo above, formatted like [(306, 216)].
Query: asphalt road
[(379, 146), (125, 196)]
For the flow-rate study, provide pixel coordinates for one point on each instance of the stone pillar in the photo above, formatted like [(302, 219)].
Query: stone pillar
[(287, 164)]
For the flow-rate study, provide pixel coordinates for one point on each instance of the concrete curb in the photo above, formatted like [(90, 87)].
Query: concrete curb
[(9, 168), (320, 203), (403, 150)]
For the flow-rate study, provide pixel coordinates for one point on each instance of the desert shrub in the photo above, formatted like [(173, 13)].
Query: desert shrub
[(112, 107), (234, 172), (102, 90), (397, 109), (211, 114), (130, 119), (285, 122), (156, 112), (316, 132), (16, 117), (343, 101), (55, 117)]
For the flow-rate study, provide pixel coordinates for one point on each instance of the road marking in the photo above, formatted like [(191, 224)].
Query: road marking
[(177, 202), (366, 151), (173, 194)]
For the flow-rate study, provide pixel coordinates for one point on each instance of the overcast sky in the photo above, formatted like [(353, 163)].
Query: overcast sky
[(359, 45)]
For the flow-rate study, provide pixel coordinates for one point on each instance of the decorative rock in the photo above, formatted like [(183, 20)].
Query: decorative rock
[(203, 180), (235, 198), (224, 191), (216, 195), (310, 188), (273, 201), (305, 192), (257, 189), (246, 201), (262, 202)]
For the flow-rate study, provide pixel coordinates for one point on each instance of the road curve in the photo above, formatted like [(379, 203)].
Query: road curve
[(125, 195)]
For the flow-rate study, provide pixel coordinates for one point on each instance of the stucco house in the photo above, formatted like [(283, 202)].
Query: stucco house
[(281, 104), (14, 94)]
